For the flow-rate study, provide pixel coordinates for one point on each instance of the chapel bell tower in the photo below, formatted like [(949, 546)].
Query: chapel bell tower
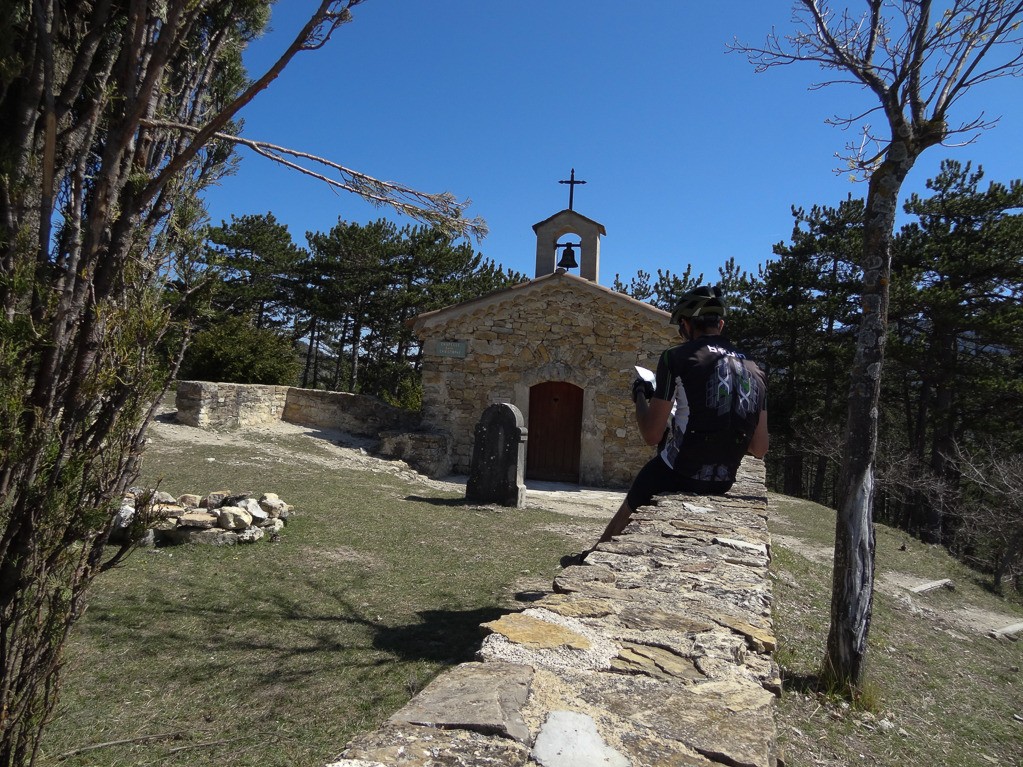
[(550, 231)]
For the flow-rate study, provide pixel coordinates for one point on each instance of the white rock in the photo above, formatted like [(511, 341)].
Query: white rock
[(273, 506), (570, 739), (259, 517), (124, 516), (249, 504), (251, 535), (234, 518)]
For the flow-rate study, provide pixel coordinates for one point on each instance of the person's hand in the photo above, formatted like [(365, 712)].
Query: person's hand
[(639, 386)]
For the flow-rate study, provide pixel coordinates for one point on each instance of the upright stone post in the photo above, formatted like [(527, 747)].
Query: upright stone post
[(497, 470)]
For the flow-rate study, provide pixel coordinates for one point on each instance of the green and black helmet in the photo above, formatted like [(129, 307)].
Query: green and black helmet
[(699, 302)]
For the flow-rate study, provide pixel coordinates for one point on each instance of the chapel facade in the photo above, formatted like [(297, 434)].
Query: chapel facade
[(562, 349)]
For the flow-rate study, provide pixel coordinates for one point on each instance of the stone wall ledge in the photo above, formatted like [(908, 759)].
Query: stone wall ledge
[(655, 651)]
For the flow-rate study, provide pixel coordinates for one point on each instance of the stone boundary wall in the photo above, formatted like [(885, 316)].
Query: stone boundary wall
[(655, 651), (228, 405), (353, 413)]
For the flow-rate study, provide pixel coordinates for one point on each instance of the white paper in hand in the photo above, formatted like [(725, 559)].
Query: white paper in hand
[(648, 375), (645, 374)]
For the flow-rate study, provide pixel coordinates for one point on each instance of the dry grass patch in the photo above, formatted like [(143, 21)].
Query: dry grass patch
[(277, 654), (940, 690)]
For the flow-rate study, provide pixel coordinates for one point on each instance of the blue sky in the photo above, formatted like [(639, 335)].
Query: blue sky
[(689, 156)]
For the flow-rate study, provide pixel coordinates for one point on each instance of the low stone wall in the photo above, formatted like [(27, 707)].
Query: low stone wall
[(656, 651), (428, 453), (227, 405), (353, 413)]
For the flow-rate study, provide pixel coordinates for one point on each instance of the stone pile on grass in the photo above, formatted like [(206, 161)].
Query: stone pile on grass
[(219, 518)]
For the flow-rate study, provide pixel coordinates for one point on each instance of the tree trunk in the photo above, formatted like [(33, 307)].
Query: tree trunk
[(792, 472), (353, 372), (309, 354), (853, 576), (819, 476), (942, 440)]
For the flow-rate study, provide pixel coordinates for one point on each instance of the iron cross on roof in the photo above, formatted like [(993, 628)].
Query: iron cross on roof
[(571, 188)]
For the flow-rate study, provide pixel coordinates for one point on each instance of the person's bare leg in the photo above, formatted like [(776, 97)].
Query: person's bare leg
[(617, 523)]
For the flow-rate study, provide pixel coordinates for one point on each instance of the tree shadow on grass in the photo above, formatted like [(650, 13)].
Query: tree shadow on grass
[(447, 636), (460, 503), (804, 684), (265, 642), (441, 636), (444, 636)]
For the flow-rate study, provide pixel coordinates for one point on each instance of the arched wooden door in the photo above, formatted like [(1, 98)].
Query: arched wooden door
[(555, 431)]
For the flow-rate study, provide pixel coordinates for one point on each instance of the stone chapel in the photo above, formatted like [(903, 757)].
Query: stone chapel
[(562, 349)]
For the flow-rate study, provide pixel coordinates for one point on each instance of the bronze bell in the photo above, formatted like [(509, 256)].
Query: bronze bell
[(568, 257)]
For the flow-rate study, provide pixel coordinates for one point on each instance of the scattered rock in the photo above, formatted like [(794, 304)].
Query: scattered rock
[(214, 500), (220, 518), (199, 519), (234, 518), (190, 500)]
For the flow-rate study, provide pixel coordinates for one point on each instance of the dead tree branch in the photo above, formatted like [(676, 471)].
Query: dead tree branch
[(440, 210)]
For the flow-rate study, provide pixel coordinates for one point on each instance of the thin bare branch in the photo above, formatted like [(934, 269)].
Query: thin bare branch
[(917, 69), (120, 742), (1009, 21), (436, 209), (317, 30)]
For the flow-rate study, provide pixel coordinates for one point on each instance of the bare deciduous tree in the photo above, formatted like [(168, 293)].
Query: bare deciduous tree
[(991, 508), (915, 69), (113, 117)]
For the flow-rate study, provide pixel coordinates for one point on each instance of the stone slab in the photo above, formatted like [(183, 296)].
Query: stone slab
[(576, 606), (728, 722), (397, 745), (485, 698), (533, 632), (932, 585)]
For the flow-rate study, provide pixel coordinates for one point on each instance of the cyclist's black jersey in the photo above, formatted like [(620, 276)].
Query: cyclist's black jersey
[(718, 396)]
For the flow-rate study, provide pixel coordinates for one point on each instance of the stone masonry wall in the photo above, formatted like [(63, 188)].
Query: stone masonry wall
[(656, 651), (228, 406), (353, 413), (560, 331), (225, 405)]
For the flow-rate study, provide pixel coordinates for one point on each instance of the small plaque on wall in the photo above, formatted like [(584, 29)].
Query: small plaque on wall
[(452, 349)]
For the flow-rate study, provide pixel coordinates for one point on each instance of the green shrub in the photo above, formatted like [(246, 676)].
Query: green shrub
[(233, 351)]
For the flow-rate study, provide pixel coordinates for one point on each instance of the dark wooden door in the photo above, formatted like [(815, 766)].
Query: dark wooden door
[(555, 430)]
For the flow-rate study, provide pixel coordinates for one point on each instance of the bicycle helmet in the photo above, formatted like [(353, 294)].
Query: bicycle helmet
[(699, 302)]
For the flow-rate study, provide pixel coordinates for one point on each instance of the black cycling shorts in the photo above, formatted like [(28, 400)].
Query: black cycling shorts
[(657, 478)]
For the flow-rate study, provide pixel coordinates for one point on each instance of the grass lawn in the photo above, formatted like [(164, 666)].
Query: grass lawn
[(937, 692), (278, 653)]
